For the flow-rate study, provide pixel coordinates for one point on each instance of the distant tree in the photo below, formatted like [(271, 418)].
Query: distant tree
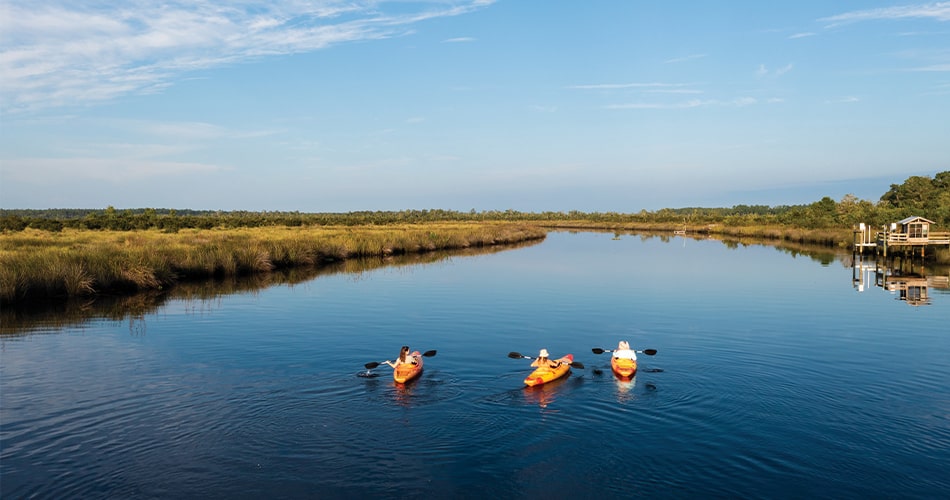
[(919, 195), (51, 225), (12, 223), (913, 193)]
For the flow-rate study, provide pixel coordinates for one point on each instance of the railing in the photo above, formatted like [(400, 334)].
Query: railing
[(906, 239), (939, 238)]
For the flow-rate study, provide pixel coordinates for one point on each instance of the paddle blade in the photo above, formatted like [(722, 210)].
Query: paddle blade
[(515, 355), (597, 350), (429, 354), (649, 352), (371, 365), (577, 365)]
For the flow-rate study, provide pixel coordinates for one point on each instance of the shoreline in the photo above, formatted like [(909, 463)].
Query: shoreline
[(37, 265)]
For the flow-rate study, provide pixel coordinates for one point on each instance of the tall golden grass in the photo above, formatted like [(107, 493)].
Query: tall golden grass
[(39, 264)]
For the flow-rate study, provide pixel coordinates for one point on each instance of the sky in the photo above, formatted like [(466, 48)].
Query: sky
[(351, 105)]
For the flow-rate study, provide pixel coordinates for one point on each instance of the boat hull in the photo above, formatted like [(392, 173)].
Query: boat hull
[(406, 372), (545, 374), (623, 367)]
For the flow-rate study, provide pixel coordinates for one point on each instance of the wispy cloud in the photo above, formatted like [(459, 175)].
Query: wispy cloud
[(110, 170), (763, 71), (927, 60), (843, 100), (939, 11), (56, 52), (939, 89), (462, 39), (613, 86), (801, 35), (690, 57), (692, 103), (673, 91), (933, 67)]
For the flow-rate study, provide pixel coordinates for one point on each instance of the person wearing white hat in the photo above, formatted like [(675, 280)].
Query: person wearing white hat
[(624, 351), (542, 360)]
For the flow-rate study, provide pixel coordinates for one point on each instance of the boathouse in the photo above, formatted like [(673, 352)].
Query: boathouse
[(915, 228), (905, 237)]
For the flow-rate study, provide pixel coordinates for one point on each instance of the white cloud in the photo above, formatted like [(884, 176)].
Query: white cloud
[(462, 39), (57, 52), (801, 35), (763, 71), (939, 11)]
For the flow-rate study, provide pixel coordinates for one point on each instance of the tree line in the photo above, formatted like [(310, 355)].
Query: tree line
[(923, 196)]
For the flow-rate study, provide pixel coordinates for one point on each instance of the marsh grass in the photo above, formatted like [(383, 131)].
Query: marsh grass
[(29, 317), (38, 264)]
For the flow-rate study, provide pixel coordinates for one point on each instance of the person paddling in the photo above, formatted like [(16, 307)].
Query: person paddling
[(623, 351), (404, 357), (542, 360)]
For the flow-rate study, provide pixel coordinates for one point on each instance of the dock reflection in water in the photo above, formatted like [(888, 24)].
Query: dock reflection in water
[(910, 279)]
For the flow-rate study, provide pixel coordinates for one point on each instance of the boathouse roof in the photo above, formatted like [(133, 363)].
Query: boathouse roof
[(915, 218)]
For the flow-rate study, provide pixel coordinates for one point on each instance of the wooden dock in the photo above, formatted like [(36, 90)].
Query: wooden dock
[(909, 236)]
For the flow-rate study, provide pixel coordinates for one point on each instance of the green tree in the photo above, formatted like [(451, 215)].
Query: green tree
[(913, 193)]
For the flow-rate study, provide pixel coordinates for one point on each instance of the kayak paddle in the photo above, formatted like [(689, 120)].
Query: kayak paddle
[(517, 355), (374, 364), (598, 350)]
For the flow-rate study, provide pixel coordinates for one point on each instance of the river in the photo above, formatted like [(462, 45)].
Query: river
[(778, 373)]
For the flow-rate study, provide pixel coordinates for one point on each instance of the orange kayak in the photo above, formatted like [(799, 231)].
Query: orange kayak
[(623, 367), (404, 372), (544, 374)]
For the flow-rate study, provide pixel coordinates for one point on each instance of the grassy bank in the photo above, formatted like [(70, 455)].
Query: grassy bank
[(41, 264)]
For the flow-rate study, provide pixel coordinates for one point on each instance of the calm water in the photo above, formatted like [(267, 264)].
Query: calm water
[(775, 377)]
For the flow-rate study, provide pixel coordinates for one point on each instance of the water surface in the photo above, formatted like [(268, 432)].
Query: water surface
[(776, 376)]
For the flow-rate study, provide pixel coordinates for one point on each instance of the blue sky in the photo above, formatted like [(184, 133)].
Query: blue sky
[(336, 106)]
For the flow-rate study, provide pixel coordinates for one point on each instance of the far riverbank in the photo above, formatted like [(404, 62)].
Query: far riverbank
[(43, 265)]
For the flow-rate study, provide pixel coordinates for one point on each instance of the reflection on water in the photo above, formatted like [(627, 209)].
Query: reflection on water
[(545, 395), (625, 387), (54, 315), (909, 279)]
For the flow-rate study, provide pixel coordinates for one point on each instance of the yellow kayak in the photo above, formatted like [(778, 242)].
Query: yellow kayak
[(405, 372), (544, 374), (623, 367)]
